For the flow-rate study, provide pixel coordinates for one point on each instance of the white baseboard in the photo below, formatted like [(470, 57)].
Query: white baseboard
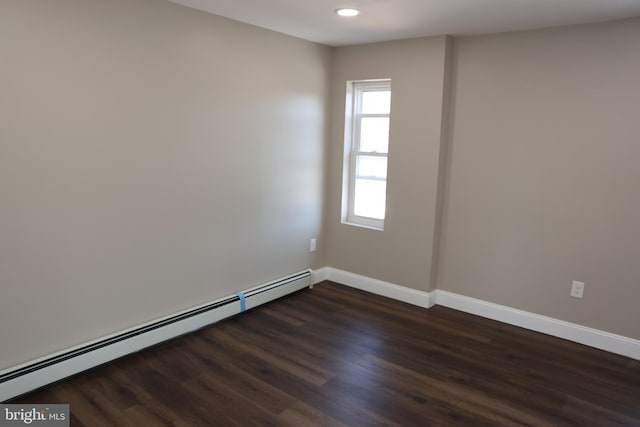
[(319, 275), (602, 340), (379, 287), (588, 336)]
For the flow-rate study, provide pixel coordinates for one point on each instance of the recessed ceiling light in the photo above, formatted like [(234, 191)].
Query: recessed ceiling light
[(347, 12)]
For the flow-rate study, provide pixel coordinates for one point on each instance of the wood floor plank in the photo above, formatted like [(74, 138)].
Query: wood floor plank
[(285, 360), (228, 375), (152, 415), (409, 387), (302, 415), (226, 404), (90, 407), (336, 356)]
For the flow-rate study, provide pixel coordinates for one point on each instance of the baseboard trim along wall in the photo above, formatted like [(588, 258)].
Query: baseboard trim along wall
[(378, 287), (21, 379), (34, 374), (602, 340), (319, 275)]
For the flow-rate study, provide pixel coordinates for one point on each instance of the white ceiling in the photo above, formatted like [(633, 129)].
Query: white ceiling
[(382, 20)]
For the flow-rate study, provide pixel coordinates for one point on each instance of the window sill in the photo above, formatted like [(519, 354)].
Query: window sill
[(368, 227)]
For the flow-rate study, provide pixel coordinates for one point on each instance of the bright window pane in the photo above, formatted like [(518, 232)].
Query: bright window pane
[(365, 173), (374, 134), (371, 167), (376, 102), (370, 198)]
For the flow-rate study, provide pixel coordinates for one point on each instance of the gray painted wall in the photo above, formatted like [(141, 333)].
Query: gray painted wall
[(544, 179), (152, 158), (402, 253), (540, 170)]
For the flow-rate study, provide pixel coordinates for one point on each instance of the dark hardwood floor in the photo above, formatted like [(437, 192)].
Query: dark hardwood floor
[(335, 356)]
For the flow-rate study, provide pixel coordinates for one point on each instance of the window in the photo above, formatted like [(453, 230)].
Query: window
[(364, 188)]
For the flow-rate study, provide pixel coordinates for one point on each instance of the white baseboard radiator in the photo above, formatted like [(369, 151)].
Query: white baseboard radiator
[(32, 375)]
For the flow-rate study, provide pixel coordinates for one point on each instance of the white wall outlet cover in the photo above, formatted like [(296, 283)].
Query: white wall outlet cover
[(577, 289)]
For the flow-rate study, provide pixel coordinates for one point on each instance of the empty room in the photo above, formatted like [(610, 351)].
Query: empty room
[(319, 213)]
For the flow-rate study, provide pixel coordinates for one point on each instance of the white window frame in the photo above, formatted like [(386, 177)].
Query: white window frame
[(353, 118)]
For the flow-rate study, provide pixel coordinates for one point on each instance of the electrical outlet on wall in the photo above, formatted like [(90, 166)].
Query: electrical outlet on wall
[(313, 243), (577, 289)]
